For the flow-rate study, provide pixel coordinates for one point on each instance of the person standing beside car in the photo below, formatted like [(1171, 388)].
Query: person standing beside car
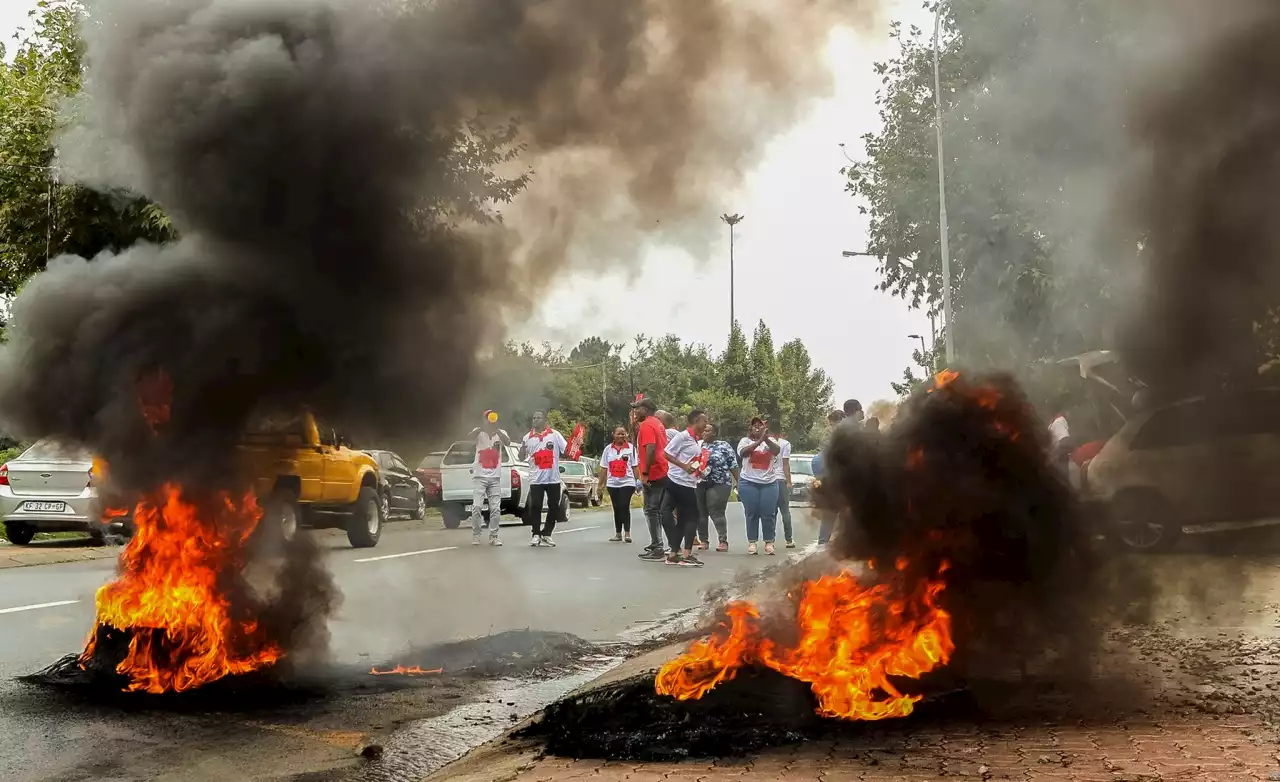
[(618, 466), (782, 477), (543, 447), (714, 489), (486, 476), (756, 486)]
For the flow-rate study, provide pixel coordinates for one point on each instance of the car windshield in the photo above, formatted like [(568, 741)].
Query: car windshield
[(802, 466), (432, 462), (573, 468), (53, 450), (463, 452)]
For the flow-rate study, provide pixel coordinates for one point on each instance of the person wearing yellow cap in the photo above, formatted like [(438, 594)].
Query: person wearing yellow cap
[(486, 476)]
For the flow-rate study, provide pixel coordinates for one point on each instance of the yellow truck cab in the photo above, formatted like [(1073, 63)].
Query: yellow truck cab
[(305, 475)]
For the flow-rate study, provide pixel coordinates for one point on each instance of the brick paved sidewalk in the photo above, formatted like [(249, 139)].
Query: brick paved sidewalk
[(1196, 749)]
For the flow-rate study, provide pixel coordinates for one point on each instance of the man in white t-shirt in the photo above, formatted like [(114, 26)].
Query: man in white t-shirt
[(687, 462), (542, 446), (486, 476), (782, 477), (668, 422)]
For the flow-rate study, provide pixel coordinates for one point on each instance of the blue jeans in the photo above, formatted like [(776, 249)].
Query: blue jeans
[(760, 502)]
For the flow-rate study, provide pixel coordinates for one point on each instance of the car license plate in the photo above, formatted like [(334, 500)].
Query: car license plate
[(44, 507)]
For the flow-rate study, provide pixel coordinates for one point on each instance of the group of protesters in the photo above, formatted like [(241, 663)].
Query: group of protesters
[(686, 477)]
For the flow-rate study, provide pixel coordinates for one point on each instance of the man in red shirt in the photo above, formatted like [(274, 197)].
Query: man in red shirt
[(651, 444)]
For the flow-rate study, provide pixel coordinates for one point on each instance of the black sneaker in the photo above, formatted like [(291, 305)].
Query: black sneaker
[(653, 556), (674, 560), (691, 561)]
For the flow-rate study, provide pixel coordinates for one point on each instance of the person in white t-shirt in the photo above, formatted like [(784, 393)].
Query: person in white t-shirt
[(618, 466), (782, 477), (668, 422), (542, 446), (687, 460), (756, 485), (486, 476)]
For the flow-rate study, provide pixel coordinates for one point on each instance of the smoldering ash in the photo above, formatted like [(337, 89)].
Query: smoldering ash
[(301, 146)]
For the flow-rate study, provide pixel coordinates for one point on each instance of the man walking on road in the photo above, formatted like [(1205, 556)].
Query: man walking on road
[(486, 476), (543, 447), (651, 442), (680, 510)]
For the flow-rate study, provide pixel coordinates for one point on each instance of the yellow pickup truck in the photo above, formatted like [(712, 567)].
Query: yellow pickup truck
[(305, 475)]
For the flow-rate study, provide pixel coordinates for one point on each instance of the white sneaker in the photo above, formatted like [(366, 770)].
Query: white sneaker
[(536, 542), (475, 540), (547, 541), (493, 541)]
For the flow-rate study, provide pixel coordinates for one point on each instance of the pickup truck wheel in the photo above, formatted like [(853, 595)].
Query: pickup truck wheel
[(280, 516), (420, 510), (452, 512), (365, 525), (18, 533)]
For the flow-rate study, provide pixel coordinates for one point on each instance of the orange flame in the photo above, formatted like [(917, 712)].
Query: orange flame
[(852, 639), (169, 597), (944, 378), (400, 670)]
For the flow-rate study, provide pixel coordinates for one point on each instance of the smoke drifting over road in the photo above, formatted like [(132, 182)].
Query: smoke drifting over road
[(300, 145)]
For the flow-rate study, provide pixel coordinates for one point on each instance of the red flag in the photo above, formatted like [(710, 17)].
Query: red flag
[(575, 442)]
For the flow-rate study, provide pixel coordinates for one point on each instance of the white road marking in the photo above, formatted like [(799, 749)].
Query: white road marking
[(575, 529), (407, 554), (38, 605)]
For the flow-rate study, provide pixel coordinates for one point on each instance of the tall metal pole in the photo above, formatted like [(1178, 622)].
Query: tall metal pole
[(731, 221), (947, 323)]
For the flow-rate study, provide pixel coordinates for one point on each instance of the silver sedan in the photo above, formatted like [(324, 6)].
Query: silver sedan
[(49, 488)]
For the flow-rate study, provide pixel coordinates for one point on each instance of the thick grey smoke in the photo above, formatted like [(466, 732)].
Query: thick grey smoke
[(1204, 201), (301, 145)]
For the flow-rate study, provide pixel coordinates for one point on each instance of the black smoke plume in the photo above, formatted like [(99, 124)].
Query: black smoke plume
[(316, 157), (1203, 201), (963, 477)]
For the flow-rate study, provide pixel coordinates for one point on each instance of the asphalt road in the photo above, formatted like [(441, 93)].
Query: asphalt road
[(422, 585)]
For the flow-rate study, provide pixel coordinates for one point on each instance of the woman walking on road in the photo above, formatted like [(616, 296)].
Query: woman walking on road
[(714, 490), (618, 466), (756, 487)]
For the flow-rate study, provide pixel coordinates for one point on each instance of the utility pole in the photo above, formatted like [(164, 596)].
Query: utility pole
[(731, 221), (947, 323)]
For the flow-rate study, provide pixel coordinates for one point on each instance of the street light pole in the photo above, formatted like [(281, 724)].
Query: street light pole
[(924, 351), (947, 323), (731, 221)]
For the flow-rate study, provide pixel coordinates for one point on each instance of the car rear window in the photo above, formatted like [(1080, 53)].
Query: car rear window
[(51, 449), (432, 462), (459, 453), (573, 468)]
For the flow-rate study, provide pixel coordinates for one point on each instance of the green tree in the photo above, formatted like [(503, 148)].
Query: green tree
[(39, 217), (735, 365), (805, 394), (1030, 129), (765, 374), (730, 412)]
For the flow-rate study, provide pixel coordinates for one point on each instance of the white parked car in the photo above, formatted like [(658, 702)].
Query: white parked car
[(49, 488), (456, 490), (802, 477)]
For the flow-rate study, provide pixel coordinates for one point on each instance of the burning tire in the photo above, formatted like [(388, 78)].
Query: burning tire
[(1142, 522), (19, 534), (365, 525), (420, 510)]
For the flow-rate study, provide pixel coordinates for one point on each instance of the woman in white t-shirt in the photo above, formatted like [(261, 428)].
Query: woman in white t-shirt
[(757, 487), (618, 467)]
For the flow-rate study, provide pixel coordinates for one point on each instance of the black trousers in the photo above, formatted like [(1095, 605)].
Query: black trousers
[(620, 498), (680, 515), (537, 492)]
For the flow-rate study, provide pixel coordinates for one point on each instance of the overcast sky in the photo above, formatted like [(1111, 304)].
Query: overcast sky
[(789, 270)]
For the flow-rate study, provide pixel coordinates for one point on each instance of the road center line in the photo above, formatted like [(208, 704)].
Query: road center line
[(38, 605), (575, 529), (407, 554)]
